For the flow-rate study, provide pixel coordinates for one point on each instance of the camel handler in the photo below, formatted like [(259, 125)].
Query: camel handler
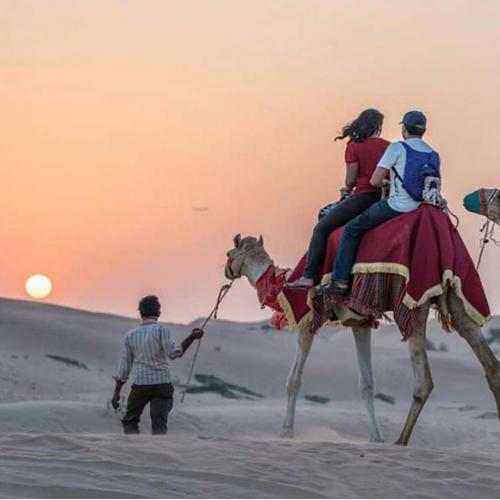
[(147, 349)]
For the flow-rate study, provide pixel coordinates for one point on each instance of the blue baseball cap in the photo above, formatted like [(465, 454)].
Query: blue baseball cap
[(415, 119)]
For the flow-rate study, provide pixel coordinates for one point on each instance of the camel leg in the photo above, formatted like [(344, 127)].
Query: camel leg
[(423, 379), (362, 339), (294, 381), (471, 333)]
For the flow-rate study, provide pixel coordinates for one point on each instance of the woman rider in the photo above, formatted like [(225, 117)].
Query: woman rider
[(364, 149)]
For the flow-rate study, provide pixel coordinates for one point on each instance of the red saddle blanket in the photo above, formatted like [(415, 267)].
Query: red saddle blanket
[(399, 266)]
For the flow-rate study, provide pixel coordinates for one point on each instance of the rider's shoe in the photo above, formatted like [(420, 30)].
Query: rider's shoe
[(300, 284), (334, 287)]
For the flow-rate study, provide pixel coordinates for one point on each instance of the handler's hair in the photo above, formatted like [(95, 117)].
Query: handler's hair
[(150, 307), (364, 126)]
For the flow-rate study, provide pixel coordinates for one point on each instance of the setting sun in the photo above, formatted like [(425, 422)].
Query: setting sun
[(38, 286)]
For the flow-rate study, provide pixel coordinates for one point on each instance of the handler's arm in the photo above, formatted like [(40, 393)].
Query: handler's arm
[(173, 349), (115, 400), (123, 372), (197, 333)]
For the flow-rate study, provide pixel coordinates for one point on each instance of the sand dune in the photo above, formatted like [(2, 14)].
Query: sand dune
[(59, 438), (111, 466)]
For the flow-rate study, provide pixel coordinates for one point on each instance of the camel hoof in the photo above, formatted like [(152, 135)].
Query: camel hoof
[(399, 442), (286, 433), (376, 439)]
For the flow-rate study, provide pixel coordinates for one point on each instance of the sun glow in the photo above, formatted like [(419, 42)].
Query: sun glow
[(38, 286)]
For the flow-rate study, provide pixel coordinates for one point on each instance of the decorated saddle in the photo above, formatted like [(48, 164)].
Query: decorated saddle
[(399, 266)]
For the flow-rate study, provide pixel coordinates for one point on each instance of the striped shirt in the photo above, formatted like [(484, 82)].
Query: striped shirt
[(147, 349)]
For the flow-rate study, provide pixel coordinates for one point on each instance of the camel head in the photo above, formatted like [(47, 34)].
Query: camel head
[(247, 258), (485, 202)]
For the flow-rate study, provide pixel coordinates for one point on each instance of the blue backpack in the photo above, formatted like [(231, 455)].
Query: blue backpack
[(419, 167)]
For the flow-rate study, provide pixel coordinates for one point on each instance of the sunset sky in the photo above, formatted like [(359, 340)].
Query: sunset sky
[(121, 117)]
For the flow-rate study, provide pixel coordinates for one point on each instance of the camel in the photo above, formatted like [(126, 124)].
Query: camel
[(249, 258)]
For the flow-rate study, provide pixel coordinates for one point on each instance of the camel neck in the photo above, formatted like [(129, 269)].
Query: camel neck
[(255, 271)]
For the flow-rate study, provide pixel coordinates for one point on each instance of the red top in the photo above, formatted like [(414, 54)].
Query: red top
[(367, 154)]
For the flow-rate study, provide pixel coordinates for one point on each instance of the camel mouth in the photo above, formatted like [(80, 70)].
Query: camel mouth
[(228, 273)]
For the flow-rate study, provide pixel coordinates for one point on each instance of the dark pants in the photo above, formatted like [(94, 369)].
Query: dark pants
[(160, 399), (341, 214), (353, 232)]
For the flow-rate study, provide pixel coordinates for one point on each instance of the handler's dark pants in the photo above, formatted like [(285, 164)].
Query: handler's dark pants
[(160, 399), (338, 216)]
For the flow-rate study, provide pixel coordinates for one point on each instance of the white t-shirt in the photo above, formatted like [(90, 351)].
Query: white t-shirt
[(395, 156)]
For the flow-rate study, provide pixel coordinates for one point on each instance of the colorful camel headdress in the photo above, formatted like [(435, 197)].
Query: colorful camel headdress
[(485, 202)]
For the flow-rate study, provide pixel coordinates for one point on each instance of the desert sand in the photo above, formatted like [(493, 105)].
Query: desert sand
[(59, 437)]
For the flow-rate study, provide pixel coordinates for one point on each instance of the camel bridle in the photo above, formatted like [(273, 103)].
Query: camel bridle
[(232, 258)]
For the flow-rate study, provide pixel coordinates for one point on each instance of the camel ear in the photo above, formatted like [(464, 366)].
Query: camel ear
[(261, 241), (237, 240)]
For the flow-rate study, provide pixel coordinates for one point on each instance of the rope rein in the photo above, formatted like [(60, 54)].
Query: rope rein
[(488, 231), (222, 293), (447, 209)]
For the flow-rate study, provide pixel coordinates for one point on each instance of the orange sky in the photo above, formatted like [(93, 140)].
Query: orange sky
[(120, 116)]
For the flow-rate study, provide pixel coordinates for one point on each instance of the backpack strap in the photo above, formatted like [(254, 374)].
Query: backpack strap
[(407, 147), (396, 173)]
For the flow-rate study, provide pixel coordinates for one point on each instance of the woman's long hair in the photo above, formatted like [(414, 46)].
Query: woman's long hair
[(364, 126)]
